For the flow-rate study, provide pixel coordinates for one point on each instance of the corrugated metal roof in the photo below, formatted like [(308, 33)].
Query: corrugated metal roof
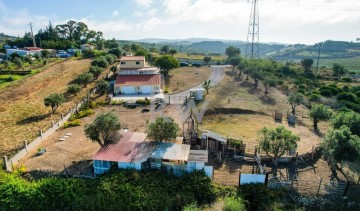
[(138, 80), (198, 156), (171, 151), (133, 148), (214, 135)]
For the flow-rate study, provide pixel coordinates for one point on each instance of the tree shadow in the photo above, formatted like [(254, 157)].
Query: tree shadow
[(79, 168), (32, 119), (266, 99), (233, 111)]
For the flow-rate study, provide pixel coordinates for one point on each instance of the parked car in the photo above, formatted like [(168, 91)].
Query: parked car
[(183, 64), (196, 64)]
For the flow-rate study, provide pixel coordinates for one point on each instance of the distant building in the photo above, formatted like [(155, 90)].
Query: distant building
[(133, 151), (85, 47), (24, 51), (136, 77)]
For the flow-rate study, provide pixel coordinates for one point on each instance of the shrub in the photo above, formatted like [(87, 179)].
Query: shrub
[(346, 88), (100, 62), (280, 82), (314, 97), (233, 204), (110, 58), (72, 123), (192, 207), (235, 143), (326, 93), (301, 86), (166, 90), (143, 102), (347, 97), (117, 102), (346, 79), (81, 114)]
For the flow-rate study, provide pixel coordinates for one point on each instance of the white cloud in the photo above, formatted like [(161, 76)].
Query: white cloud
[(292, 21), (115, 13), (144, 3)]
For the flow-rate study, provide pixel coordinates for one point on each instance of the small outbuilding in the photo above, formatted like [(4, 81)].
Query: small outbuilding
[(212, 141), (196, 93)]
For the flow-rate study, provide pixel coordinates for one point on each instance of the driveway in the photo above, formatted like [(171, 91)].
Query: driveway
[(217, 74)]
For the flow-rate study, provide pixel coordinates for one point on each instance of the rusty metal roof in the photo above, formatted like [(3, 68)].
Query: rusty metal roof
[(134, 148), (198, 156)]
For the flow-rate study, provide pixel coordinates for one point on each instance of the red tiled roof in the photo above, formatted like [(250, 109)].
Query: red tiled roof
[(33, 48), (132, 58), (130, 148), (138, 80)]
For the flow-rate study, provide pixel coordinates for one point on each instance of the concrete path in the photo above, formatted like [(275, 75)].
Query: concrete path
[(217, 74)]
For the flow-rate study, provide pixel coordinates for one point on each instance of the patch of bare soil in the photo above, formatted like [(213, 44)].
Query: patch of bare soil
[(22, 109), (76, 152)]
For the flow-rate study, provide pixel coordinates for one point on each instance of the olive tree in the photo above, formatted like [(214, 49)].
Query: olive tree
[(74, 89), (269, 82), (163, 129), (102, 86), (206, 86), (85, 78), (295, 100), (277, 141), (54, 101), (340, 145), (105, 129), (166, 63), (318, 113)]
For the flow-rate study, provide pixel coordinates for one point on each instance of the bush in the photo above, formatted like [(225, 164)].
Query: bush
[(346, 88), (314, 97), (166, 90), (233, 204), (326, 93), (347, 97), (346, 79), (73, 123), (100, 62), (110, 58), (143, 102), (122, 190), (280, 82), (235, 143), (81, 114), (259, 197)]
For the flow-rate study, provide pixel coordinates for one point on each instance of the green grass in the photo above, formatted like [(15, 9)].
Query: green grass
[(351, 64), (15, 78)]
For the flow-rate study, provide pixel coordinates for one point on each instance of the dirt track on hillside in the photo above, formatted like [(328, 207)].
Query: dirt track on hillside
[(22, 108)]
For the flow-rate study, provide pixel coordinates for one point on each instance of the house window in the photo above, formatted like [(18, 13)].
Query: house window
[(141, 72), (123, 62), (138, 89), (137, 62), (156, 88)]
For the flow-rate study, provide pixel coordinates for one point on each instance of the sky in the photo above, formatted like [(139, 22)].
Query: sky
[(282, 21)]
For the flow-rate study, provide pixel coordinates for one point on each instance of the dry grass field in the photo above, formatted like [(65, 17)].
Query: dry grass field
[(183, 78), (22, 108), (75, 152), (239, 110)]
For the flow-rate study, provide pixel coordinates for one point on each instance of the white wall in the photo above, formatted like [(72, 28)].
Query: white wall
[(146, 89), (128, 89)]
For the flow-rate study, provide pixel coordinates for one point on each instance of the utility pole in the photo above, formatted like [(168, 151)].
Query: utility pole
[(32, 34), (318, 59), (252, 44)]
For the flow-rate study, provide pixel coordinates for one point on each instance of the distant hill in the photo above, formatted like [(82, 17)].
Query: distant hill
[(4, 37), (329, 49)]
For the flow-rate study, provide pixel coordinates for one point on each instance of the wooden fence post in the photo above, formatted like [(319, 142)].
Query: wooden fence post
[(239, 179), (6, 163), (25, 145), (40, 133), (319, 187)]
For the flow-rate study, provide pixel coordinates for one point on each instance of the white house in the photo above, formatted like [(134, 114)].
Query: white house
[(135, 77), (134, 152)]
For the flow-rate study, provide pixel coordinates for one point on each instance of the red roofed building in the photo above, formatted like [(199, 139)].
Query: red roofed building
[(134, 152), (135, 77)]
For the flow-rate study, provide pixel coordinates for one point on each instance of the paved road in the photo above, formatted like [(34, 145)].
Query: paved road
[(217, 74)]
